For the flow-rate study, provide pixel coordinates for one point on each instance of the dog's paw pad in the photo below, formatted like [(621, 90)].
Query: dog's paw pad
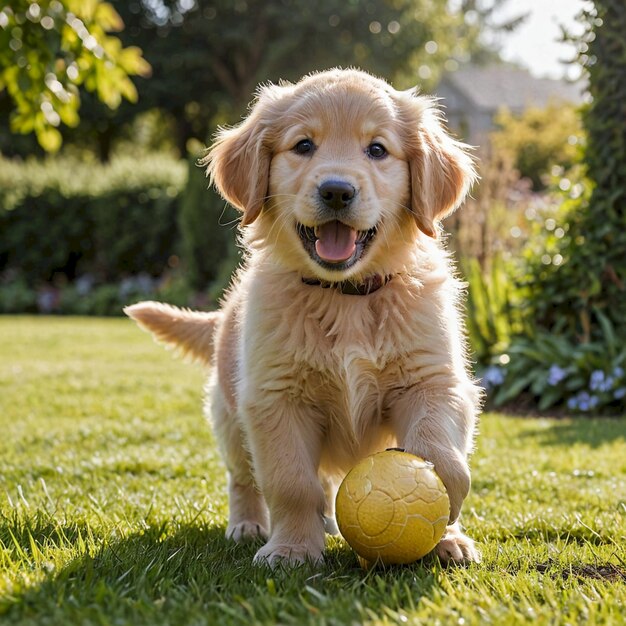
[(246, 531)]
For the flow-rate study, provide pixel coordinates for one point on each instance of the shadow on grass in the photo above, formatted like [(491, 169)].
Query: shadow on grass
[(593, 432), (193, 575)]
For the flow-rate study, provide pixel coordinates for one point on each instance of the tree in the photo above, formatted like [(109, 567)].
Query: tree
[(208, 56), (584, 295), (226, 48), (50, 48)]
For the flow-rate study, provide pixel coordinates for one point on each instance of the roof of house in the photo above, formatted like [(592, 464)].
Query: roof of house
[(491, 88)]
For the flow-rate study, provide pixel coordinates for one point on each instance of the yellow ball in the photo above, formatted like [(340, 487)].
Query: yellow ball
[(392, 507)]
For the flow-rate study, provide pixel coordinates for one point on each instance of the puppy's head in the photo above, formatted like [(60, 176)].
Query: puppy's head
[(340, 172)]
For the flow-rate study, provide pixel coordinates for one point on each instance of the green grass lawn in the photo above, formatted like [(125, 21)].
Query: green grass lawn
[(113, 507)]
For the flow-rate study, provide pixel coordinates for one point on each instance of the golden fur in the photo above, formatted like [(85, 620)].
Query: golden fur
[(306, 379)]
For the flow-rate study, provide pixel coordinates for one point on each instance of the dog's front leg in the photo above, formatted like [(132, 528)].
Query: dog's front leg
[(285, 439), (438, 424)]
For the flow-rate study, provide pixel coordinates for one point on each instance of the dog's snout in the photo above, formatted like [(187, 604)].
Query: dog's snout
[(337, 194)]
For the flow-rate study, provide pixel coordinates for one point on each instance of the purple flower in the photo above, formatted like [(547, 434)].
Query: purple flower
[(556, 374), (599, 381), (596, 380), (492, 377), (583, 402), (618, 394)]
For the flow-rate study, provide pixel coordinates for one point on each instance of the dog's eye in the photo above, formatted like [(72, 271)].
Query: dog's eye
[(376, 151), (306, 146)]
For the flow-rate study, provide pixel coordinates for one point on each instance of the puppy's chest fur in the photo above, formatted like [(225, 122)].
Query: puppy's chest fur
[(350, 402), (347, 358)]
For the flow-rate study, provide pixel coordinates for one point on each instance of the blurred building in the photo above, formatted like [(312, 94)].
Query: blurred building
[(472, 97)]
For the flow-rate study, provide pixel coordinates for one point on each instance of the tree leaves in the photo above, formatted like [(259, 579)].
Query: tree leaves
[(48, 50), (49, 138)]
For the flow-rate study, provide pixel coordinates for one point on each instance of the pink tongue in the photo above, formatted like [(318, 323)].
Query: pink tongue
[(336, 242)]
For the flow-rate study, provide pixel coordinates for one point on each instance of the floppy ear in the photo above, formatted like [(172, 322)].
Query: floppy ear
[(238, 162), (441, 169)]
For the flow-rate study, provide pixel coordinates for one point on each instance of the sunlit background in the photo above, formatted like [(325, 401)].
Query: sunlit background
[(105, 108), (537, 43)]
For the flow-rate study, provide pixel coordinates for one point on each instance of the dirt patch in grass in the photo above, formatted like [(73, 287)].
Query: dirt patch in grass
[(606, 571)]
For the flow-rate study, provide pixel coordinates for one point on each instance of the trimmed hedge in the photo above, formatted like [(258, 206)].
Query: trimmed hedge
[(207, 225), (68, 217)]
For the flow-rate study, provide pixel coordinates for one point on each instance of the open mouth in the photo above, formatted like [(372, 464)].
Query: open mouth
[(335, 245)]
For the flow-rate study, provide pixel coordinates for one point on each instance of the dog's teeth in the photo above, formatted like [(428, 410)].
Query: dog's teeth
[(306, 232)]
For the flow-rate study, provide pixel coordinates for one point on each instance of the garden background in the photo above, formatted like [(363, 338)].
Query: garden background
[(105, 109)]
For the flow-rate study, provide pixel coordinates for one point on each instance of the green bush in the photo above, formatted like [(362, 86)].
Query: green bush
[(573, 272), (74, 218), (81, 297), (17, 297), (492, 311), (552, 371), (521, 358), (545, 268), (539, 139), (207, 224), (63, 221), (590, 276), (110, 299)]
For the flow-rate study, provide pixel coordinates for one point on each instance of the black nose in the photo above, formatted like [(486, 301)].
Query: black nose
[(336, 194)]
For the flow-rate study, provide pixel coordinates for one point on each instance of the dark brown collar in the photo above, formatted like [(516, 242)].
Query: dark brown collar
[(348, 288)]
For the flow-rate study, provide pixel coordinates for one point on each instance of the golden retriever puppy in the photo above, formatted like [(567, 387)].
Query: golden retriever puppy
[(341, 334)]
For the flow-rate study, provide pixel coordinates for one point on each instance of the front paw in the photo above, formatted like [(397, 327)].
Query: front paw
[(246, 531), (275, 554), (457, 547)]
